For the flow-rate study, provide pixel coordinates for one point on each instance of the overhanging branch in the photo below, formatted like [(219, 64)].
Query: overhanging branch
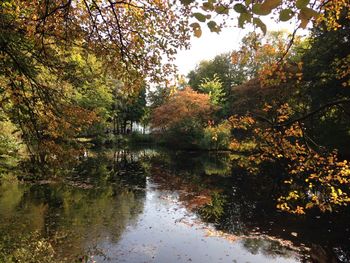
[(304, 117)]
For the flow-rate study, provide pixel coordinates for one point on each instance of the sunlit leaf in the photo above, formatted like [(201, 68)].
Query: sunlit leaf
[(239, 8), (200, 17), (187, 2), (309, 12), (208, 6), (198, 32), (305, 15), (286, 14), (213, 26), (244, 18), (268, 5), (257, 22), (301, 3), (196, 29), (259, 11), (309, 205), (220, 9)]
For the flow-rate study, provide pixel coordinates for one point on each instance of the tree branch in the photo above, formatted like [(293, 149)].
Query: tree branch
[(304, 117)]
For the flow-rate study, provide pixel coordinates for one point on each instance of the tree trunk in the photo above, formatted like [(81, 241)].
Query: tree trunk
[(114, 130), (124, 126)]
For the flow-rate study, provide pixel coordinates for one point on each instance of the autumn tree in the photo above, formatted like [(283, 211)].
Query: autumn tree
[(182, 117), (298, 105), (37, 91), (308, 178), (250, 12)]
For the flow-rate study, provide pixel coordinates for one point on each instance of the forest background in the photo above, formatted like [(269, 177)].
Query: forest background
[(77, 74)]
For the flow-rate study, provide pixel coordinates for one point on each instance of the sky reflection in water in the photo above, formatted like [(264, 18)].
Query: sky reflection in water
[(146, 206)]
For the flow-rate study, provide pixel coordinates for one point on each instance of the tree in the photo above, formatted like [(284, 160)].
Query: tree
[(326, 80), (128, 108), (136, 109), (292, 115), (158, 96), (213, 87), (182, 117), (92, 88), (219, 71), (9, 145), (303, 11), (221, 67), (127, 34), (37, 94), (308, 178)]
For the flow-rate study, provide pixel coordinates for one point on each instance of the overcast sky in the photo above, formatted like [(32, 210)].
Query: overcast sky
[(211, 44), (208, 46)]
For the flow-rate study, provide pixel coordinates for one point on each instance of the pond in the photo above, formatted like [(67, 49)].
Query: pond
[(159, 206)]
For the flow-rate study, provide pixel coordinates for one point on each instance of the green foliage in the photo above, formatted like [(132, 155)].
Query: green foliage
[(220, 67), (216, 137), (93, 86), (137, 138), (213, 87), (158, 96), (214, 209), (185, 134), (26, 248), (10, 147), (127, 109), (326, 78)]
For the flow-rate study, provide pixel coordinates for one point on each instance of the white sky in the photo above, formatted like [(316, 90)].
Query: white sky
[(207, 47), (211, 44)]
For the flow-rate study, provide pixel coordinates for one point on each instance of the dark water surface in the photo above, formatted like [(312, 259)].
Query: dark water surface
[(154, 206)]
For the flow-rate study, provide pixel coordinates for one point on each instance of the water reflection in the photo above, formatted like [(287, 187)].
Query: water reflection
[(76, 215), (155, 206)]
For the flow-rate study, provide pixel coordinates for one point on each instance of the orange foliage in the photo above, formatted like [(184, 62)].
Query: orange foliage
[(313, 179), (183, 105), (128, 34), (332, 13), (56, 135)]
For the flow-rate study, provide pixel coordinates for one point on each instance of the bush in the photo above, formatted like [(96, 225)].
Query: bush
[(216, 137), (27, 248), (186, 135), (138, 138), (180, 121), (9, 147)]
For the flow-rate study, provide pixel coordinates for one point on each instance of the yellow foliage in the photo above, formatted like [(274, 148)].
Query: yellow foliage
[(315, 180)]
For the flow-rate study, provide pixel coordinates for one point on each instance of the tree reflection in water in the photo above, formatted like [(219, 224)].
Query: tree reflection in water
[(94, 204), (106, 194), (244, 205)]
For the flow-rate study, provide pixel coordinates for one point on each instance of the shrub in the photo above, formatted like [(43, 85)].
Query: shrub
[(216, 137)]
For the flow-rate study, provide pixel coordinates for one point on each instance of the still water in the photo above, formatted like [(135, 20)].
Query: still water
[(155, 206)]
